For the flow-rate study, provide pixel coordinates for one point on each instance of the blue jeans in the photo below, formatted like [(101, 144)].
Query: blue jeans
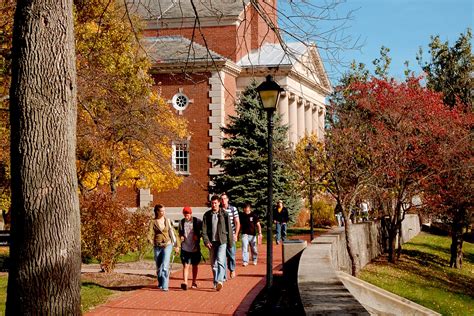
[(246, 241), (217, 259), (162, 259), (230, 262), (280, 231)]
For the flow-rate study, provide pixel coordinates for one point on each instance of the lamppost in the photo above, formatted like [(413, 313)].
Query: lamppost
[(269, 92), (309, 150)]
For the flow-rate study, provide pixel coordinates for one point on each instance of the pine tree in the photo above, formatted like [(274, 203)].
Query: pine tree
[(244, 169)]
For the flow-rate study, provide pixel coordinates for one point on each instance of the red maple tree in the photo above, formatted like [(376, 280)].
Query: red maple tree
[(410, 142)]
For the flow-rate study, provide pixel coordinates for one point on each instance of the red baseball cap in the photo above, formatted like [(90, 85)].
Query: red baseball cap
[(187, 210)]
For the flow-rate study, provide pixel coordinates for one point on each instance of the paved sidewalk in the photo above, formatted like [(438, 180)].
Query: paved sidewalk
[(235, 298)]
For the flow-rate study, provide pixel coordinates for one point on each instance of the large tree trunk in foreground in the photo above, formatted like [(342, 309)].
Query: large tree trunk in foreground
[(44, 276)]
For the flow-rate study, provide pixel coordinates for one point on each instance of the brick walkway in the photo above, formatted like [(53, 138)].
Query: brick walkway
[(235, 298)]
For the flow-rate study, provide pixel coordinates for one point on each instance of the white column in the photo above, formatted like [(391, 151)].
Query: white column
[(308, 118), (321, 112), (300, 120), (292, 120), (283, 112), (315, 118)]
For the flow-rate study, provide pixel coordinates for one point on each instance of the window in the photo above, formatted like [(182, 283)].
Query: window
[(180, 101), (181, 157)]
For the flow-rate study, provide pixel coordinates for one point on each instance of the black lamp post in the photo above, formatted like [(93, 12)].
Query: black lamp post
[(269, 92), (309, 150)]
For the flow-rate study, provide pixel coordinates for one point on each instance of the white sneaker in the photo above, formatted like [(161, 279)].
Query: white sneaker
[(245, 264), (255, 263)]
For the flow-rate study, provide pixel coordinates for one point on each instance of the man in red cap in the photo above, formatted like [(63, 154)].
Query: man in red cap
[(190, 230)]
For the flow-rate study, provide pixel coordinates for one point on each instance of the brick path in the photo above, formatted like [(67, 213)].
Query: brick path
[(235, 298)]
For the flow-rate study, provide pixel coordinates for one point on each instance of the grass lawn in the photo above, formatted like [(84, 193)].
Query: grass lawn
[(423, 275), (91, 295)]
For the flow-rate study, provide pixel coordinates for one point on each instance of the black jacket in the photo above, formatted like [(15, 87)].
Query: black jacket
[(224, 228), (282, 217)]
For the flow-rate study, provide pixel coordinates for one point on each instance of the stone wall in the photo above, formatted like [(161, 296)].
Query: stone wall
[(328, 254), (368, 241)]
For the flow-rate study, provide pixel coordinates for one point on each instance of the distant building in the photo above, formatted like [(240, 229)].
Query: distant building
[(201, 79)]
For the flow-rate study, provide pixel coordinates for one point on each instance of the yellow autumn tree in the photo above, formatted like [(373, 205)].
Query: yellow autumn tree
[(124, 127), (7, 9)]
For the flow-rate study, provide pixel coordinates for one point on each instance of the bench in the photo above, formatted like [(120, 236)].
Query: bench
[(4, 238)]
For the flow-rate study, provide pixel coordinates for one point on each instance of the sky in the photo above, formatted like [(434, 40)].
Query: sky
[(403, 26)]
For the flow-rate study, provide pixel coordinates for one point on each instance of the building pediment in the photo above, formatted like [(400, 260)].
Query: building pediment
[(298, 60)]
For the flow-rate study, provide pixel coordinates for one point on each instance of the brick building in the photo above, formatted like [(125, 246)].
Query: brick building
[(200, 64)]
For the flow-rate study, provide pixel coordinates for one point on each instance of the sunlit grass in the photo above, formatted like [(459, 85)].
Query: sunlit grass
[(423, 275), (93, 295)]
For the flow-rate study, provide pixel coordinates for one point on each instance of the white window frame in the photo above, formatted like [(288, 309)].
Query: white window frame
[(178, 167)]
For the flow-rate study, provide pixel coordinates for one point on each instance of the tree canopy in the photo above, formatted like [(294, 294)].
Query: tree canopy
[(124, 127), (450, 69)]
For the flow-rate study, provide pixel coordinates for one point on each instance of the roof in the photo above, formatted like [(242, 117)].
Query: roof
[(274, 55), (174, 9), (173, 49), (301, 57)]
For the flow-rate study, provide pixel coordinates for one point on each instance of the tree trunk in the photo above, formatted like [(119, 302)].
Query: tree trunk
[(392, 243), (399, 235), (113, 181), (350, 251), (457, 239), (44, 276)]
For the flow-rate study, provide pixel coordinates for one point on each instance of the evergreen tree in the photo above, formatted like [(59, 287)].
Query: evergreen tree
[(451, 69), (244, 169)]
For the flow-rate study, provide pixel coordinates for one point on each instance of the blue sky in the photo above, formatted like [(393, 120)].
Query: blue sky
[(404, 26)]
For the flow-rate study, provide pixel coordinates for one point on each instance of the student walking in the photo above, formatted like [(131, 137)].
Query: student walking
[(163, 237), (280, 218), (190, 229), (233, 214), (249, 224), (217, 236)]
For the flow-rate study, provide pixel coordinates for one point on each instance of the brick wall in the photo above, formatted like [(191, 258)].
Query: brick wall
[(193, 190), (230, 84)]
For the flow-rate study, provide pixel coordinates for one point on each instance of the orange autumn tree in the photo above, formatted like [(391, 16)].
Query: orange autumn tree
[(124, 127), (7, 9)]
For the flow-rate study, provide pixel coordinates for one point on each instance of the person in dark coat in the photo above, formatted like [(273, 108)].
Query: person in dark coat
[(217, 236), (280, 219)]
